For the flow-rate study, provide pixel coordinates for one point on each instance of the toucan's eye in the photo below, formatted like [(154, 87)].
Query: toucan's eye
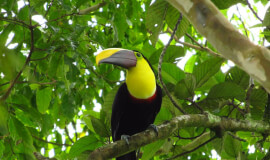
[(138, 54)]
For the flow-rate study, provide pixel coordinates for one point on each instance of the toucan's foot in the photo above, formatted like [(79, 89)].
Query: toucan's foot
[(125, 138), (154, 127)]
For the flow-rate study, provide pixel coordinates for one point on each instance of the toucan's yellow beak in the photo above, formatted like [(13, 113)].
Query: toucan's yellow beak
[(117, 56)]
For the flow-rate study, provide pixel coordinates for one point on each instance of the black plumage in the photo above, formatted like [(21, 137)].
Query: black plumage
[(131, 115)]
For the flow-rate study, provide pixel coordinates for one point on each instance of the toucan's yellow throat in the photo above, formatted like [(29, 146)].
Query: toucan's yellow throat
[(140, 79)]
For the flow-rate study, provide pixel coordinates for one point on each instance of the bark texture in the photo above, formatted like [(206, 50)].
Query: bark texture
[(210, 22), (166, 129)]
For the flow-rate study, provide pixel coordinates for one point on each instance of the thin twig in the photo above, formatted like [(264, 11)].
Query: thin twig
[(236, 106), (252, 10), (184, 153), (31, 28), (74, 126), (195, 104), (190, 37), (16, 21), (240, 17), (67, 133), (251, 86), (197, 47), (40, 83), (53, 143), (48, 9), (236, 137), (82, 12), (160, 63)]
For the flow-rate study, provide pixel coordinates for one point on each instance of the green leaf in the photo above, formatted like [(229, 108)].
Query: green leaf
[(2, 148), (205, 70), (266, 20), (190, 63), (25, 118), (258, 99), (185, 88), (4, 115), (100, 128), (170, 73), (56, 64), (151, 149), (106, 109), (22, 137), (226, 4), (172, 17), (120, 25), (47, 124), (171, 54), (83, 144), (231, 147), (43, 99), (24, 13), (154, 19), (238, 76), (166, 103), (226, 90), (163, 115), (68, 106)]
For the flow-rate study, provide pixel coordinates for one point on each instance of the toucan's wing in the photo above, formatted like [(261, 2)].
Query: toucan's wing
[(118, 109)]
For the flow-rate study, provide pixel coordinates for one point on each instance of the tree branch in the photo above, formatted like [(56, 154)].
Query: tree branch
[(197, 47), (211, 23), (31, 28), (92, 8), (81, 12), (16, 21), (31, 82), (160, 64), (166, 129)]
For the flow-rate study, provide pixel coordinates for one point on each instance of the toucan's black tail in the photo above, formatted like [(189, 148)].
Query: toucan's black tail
[(129, 156)]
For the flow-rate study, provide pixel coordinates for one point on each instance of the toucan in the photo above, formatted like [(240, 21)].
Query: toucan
[(138, 100)]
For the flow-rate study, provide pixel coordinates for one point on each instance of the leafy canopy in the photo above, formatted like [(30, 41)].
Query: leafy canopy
[(53, 107)]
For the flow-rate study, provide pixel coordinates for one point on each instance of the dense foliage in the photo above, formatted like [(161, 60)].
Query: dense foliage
[(51, 88)]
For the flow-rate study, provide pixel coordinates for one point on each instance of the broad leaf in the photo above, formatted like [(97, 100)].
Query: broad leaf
[(151, 149), (83, 144), (238, 76), (3, 120), (155, 16), (186, 87), (170, 73), (226, 90), (205, 70), (43, 99), (171, 54)]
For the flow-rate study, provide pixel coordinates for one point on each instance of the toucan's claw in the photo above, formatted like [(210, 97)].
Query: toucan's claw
[(125, 138), (154, 127)]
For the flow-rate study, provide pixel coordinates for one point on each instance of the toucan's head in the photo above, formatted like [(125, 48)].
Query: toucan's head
[(140, 77), (120, 57)]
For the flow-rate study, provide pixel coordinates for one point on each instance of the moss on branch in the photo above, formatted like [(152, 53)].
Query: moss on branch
[(166, 129)]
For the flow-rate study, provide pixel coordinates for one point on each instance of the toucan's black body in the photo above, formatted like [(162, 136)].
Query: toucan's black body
[(131, 115)]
